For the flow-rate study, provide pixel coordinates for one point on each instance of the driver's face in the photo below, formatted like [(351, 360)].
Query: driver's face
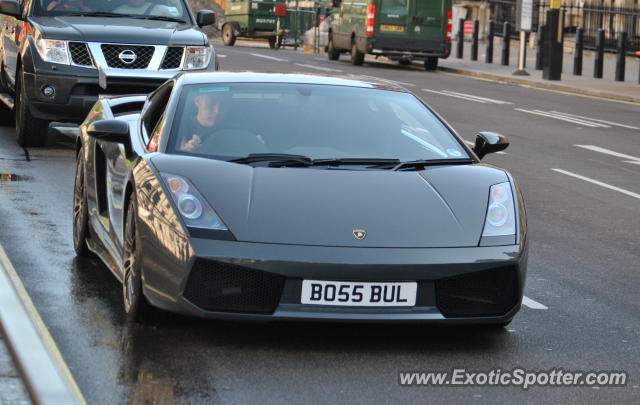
[(208, 109)]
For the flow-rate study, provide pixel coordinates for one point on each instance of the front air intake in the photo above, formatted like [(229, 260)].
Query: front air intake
[(224, 287)]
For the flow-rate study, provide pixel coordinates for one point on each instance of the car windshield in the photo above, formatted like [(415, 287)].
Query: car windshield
[(230, 121), (133, 8)]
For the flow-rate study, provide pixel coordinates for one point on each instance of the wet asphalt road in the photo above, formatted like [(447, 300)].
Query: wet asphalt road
[(584, 265)]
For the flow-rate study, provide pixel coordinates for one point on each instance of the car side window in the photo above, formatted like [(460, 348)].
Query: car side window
[(154, 139), (155, 108)]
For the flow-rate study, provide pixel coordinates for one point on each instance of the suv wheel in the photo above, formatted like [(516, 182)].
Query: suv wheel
[(228, 36), (431, 63), (29, 131), (357, 57), (332, 52)]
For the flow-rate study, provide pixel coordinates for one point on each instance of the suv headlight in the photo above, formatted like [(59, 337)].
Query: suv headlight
[(501, 215), (197, 57), (53, 50), (194, 209)]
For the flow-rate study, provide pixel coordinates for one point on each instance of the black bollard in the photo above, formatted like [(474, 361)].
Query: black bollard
[(577, 56), (474, 40), (489, 52), (506, 38), (540, 44), (622, 53), (598, 65), (460, 48)]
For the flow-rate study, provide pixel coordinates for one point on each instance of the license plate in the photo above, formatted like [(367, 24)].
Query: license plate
[(354, 294), (395, 28)]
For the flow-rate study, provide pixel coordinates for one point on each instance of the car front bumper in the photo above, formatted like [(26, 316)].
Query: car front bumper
[(263, 282)]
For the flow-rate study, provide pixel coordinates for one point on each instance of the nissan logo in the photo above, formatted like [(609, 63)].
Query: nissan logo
[(128, 56)]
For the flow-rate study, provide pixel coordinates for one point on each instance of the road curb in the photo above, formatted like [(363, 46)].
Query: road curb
[(541, 85), (36, 355)]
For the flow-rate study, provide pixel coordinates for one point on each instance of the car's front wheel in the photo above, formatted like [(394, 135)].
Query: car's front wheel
[(30, 131), (431, 63), (228, 36), (136, 306), (332, 52), (80, 211)]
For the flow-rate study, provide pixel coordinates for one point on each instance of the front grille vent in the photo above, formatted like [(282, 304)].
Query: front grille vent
[(127, 56)]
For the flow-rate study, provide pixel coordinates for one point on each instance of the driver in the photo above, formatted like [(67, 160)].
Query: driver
[(208, 109), (144, 7), (69, 5)]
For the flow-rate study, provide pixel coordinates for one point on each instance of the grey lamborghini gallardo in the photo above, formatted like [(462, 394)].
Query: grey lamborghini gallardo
[(297, 197)]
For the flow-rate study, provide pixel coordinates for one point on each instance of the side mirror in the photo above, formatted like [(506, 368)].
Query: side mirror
[(11, 7), (205, 17), (110, 130), (489, 142)]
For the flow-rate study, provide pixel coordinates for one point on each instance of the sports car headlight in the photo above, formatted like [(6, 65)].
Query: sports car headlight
[(53, 50), (501, 218), (194, 209), (197, 57)]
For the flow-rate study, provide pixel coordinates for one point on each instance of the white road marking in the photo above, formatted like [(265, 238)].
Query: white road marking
[(382, 80), (269, 57), (529, 303), (472, 144), (221, 56), (599, 183), (489, 100), (324, 69), (634, 159), (456, 96), (562, 118), (635, 162), (597, 120), (468, 97)]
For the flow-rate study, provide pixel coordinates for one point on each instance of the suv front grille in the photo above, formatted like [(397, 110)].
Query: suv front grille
[(172, 58), (80, 54), (219, 286), (112, 53)]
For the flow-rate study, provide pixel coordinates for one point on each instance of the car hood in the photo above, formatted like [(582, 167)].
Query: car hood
[(442, 206), (118, 30)]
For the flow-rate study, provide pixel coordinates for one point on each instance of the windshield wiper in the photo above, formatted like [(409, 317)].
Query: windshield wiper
[(159, 18), (97, 14), (275, 159), (355, 161), (422, 163)]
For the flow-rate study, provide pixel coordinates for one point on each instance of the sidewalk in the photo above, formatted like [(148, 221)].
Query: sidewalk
[(12, 389), (607, 87)]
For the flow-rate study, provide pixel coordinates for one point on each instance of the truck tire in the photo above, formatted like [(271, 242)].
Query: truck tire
[(332, 52), (29, 131), (431, 63), (275, 42), (357, 57), (228, 36), (405, 62)]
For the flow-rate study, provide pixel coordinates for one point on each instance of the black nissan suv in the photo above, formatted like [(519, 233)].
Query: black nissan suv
[(58, 56)]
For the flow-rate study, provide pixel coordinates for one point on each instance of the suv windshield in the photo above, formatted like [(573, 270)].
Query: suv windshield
[(134, 8), (230, 121)]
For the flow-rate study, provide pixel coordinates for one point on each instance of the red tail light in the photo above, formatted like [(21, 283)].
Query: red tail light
[(371, 19), (449, 35)]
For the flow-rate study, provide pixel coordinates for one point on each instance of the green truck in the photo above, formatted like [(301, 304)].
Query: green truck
[(252, 19), (402, 30)]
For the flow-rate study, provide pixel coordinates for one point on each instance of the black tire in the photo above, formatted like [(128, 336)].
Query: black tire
[(357, 57), (405, 62), (29, 131), (136, 306), (431, 63), (80, 211), (275, 42), (332, 52), (228, 36)]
